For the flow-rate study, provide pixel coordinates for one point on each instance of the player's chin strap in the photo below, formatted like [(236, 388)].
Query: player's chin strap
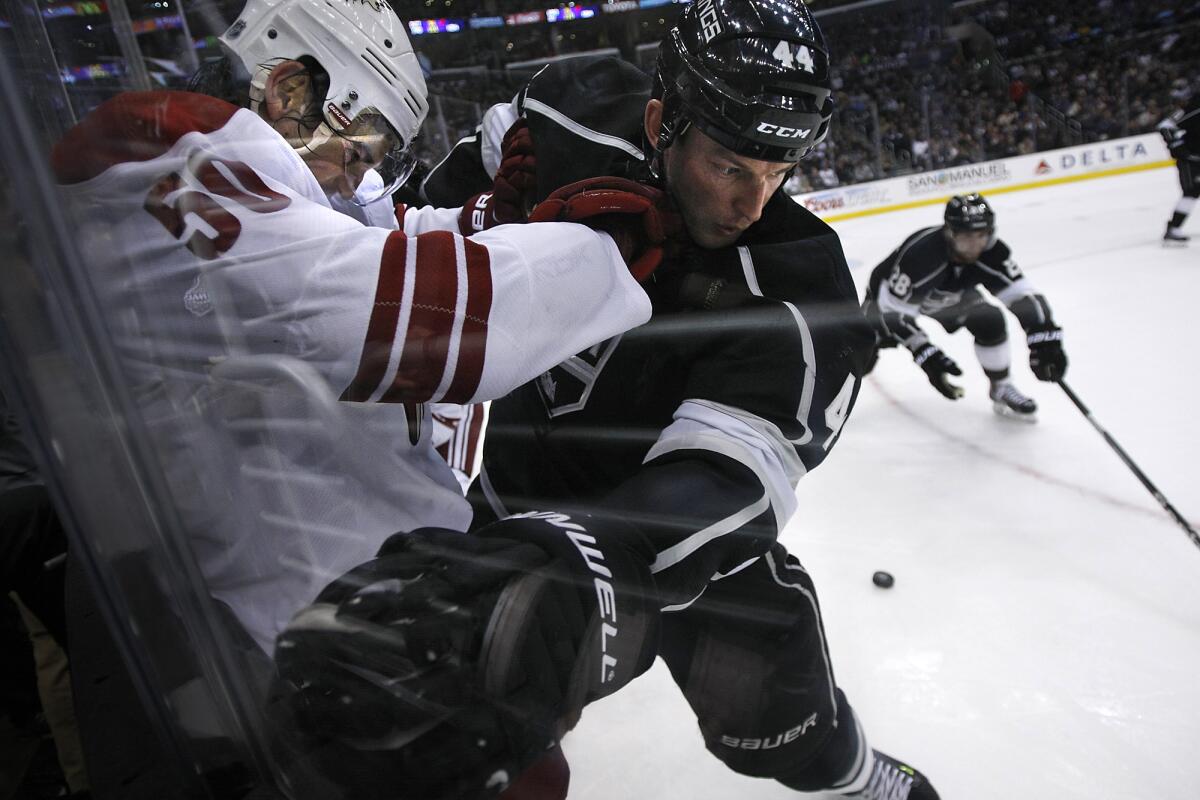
[(669, 131)]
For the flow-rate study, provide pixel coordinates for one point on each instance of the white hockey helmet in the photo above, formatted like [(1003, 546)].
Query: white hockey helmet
[(363, 47)]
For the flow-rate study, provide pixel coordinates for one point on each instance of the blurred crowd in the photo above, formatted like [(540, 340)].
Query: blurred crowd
[(919, 85)]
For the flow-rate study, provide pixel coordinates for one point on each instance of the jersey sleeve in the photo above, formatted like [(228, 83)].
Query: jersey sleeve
[(764, 406), (585, 120), (999, 273), (916, 267), (461, 320), (898, 318), (1004, 279), (899, 285), (226, 232)]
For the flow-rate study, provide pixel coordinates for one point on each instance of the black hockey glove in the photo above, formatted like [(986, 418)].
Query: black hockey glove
[(939, 367), (449, 663), (1173, 137), (1046, 356)]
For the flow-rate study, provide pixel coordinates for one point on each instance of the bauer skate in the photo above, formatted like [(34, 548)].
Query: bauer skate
[(1007, 401)]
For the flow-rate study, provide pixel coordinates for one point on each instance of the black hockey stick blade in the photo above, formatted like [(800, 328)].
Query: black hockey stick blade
[(1141, 476)]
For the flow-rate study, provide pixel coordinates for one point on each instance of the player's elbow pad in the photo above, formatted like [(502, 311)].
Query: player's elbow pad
[(1033, 312)]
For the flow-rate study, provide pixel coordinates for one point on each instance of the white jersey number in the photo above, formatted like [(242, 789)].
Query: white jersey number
[(802, 59), (839, 409), (211, 229)]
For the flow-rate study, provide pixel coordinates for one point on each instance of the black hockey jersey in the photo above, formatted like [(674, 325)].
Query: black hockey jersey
[(921, 277), (699, 424), (1182, 130)]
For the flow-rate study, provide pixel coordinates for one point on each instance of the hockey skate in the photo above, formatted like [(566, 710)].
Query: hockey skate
[(895, 780), (1173, 238), (1007, 401)]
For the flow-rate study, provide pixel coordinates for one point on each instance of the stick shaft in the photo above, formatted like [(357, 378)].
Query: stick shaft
[(1141, 476)]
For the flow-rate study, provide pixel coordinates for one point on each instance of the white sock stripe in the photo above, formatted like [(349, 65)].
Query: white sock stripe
[(460, 313), (401, 336), (996, 357), (857, 777)]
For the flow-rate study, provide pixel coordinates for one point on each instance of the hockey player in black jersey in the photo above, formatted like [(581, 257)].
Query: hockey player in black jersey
[(1181, 131), (937, 272), (671, 455)]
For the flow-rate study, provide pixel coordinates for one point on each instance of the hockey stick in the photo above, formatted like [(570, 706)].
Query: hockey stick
[(1141, 476)]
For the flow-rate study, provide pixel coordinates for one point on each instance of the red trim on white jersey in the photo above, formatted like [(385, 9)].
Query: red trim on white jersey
[(424, 359), (461, 449), (473, 341), (444, 336)]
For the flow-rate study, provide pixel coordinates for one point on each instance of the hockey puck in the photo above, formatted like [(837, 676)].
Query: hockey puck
[(883, 580)]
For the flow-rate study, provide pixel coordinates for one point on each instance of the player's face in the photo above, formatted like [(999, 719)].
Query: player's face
[(338, 160), (719, 193), (968, 246)]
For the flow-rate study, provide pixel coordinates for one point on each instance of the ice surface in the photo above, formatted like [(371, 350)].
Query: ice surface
[(1042, 640)]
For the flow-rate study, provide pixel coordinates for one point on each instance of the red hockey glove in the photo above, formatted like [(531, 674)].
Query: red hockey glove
[(516, 179), (639, 218)]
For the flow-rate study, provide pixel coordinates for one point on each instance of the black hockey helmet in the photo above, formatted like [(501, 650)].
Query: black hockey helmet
[(970, 212), (751, 74)]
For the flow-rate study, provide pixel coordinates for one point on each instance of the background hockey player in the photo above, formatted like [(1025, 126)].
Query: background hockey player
[(674, 449), (937, 272), (244, 306), (1181, 131)]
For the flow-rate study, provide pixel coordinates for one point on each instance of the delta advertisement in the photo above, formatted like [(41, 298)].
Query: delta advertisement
[(1080, 162)]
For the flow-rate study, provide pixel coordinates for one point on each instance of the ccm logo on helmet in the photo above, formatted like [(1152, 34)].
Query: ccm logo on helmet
[(710, 26), (782, 131)]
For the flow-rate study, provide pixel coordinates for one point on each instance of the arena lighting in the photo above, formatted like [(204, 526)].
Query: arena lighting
[(74, 9), (570, 13), (525, 18), (420, 27), (485, 22)]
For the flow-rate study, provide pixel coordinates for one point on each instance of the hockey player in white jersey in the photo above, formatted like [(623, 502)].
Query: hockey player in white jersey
[(244, 307)]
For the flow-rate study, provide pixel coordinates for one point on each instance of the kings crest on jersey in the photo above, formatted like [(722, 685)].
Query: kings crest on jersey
[(777, 359)]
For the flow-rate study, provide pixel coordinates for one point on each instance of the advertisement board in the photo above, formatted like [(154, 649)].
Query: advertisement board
[(1048, 168)]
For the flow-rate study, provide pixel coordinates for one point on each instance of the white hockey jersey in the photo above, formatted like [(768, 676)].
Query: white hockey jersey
[(282, 354)]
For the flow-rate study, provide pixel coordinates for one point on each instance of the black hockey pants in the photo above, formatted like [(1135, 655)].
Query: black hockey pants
[(751, 658)]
